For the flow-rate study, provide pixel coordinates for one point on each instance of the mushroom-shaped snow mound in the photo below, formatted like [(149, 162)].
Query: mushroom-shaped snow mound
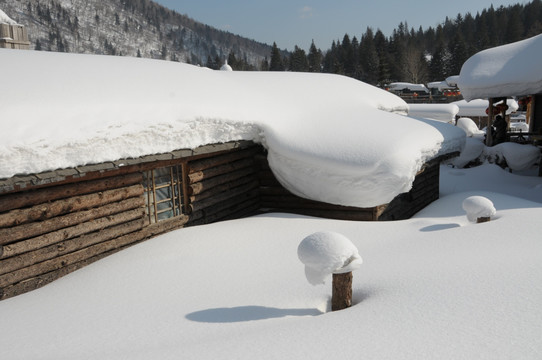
[(478, 207), (325, 253)]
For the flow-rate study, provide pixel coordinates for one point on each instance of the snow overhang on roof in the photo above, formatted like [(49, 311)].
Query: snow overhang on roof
[(508, 70), (67, 110)]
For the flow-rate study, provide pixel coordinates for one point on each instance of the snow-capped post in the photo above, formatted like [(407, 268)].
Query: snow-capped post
[(325, 253), (479, 209)]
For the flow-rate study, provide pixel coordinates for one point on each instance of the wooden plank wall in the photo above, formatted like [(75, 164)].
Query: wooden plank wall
[(13, 37), (49, 232)]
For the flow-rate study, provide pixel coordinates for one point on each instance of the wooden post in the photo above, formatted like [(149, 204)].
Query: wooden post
[(341, 296), (483, 219)]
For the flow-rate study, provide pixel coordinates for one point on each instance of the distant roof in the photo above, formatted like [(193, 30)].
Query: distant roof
[(397, 86), (508, 70)]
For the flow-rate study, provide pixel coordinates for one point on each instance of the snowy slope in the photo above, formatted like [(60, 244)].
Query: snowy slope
[(319, 128)]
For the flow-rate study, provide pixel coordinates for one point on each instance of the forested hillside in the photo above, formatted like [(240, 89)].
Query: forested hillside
[(131, 28), (144, 28), (418, 56)]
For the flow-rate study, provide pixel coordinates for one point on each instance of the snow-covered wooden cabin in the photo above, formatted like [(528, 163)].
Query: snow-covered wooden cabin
[(12, 35), (507, 71), (118, 150)]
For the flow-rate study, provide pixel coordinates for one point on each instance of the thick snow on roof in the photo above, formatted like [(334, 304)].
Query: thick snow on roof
[(508, 70), (322, 131), (5, 19), (478, 107), (397, 86), (441, 112)]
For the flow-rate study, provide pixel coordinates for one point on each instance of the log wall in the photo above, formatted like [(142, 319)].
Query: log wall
[(47, 232), (54, 223), (425, 190)]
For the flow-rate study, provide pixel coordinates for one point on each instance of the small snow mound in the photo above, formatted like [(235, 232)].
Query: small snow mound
[(325, 253), (477, 207), (469, 126)]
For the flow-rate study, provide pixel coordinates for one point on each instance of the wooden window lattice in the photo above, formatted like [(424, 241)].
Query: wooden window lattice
[(164, 195)]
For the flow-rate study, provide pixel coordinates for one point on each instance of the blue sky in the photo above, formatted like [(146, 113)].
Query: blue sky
[(295, 22)]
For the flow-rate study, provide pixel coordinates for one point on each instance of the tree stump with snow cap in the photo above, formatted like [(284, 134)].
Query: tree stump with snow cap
[(326, 253), (479, 209)]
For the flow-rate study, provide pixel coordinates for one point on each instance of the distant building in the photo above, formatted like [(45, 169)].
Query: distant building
[(12, 35)]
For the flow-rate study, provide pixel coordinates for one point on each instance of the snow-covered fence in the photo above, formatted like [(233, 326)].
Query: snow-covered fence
[(13, 37)]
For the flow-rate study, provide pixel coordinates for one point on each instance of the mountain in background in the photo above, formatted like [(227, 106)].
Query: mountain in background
[(131, 28)]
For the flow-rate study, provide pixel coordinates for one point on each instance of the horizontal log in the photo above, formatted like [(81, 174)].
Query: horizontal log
[(225, 187), (164, 226), (292, 201), (43, 195), (60, 207), (10, 235), (275, 191), (252, 210), (44, 279), (220, 170), (70, 232), (226, 211), (199, 165), (231, 203), (68, 246), (244, 209), (68, 259), (336, 214), (232, 193), (261, 161), (221, 180)]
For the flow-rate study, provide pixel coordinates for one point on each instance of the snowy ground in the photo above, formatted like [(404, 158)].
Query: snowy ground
[(432, 287)]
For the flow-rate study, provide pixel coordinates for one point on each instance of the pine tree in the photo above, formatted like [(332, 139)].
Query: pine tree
[(314, 58), (369, 61), (276, 63), (298, 60)]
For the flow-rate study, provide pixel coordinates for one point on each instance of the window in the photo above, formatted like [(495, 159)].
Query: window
[(163, 193)]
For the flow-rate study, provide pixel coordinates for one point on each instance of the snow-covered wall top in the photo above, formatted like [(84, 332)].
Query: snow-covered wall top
[(508, 70), (398, 86), (329, 138), (478, 107), (4, 19), (441, 112)]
